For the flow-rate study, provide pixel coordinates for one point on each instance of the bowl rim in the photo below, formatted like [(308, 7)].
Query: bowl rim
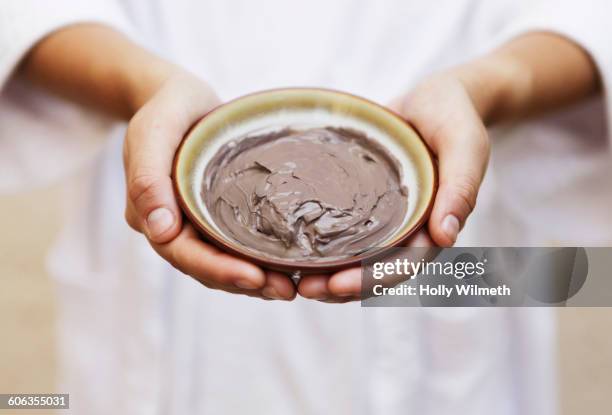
[(293, 265)]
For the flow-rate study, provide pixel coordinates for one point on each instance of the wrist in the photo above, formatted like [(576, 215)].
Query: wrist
[(498, 86), (141, 84)]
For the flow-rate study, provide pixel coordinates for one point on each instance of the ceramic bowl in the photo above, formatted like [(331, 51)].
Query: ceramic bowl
[(302, 108)]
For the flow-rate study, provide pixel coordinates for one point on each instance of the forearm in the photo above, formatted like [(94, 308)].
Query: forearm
[(534, 73), (96, 66)]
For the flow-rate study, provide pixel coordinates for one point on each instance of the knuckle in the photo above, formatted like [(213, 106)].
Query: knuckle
[(131, 220), (466, 190), (143, 187)]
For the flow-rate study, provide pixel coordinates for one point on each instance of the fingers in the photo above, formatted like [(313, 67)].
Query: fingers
[(218, 270), (341, 287), (346, 284), (205, 263), (278, 287), (314, 287)]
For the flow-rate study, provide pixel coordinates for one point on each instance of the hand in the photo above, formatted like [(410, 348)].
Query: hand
[(446, 116), (153, 136)]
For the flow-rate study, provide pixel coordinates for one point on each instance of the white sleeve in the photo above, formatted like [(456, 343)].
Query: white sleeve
[(43, 137), (585, 22), (25, 22)]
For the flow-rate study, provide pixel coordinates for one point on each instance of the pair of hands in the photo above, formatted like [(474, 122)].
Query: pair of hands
[(440, 108)]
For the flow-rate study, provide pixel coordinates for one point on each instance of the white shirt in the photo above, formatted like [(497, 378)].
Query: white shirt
[(137, 338)]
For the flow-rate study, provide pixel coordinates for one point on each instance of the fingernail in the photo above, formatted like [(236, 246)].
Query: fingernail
[(450, 226), (245, 284), (270, 292), (159, 221)]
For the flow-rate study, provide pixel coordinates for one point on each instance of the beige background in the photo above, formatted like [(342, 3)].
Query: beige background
[(29, 222)]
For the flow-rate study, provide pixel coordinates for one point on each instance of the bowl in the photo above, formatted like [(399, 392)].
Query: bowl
[(302, 108)]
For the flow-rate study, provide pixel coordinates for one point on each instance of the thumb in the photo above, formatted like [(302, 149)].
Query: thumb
[(153, 136), (151, 203), (462, 164), (445, 116), (152, 208)]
